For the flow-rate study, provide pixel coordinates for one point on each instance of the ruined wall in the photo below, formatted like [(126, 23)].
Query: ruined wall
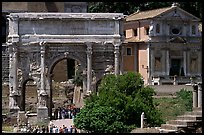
[(5, 65)]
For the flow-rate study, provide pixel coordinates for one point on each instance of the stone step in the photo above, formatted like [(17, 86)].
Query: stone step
[(167, 131), (197, 109), (194, 113), (189, 117), (188, 123), (172, 126)]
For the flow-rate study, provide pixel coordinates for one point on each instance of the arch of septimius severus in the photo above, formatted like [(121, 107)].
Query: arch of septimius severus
[(37, 41)]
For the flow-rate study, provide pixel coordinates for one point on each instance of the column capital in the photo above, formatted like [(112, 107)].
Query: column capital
[(89, 48), (42, 46), (199, 84), (116, 48), (13, 18), (117, 43), (89, 44), (195, 87)]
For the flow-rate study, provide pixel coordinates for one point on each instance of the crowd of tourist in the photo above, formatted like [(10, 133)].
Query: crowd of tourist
[(31, 129), (68, 112), (63, 129)]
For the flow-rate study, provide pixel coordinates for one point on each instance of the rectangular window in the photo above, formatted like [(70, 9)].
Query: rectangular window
[(135, 32), (193, 65), (193, 30), (128, 51), (157, 28), (157, 64), (146, 30)]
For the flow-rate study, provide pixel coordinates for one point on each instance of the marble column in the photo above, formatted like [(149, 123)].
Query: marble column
[(13, 78), (188, 63), (84, 75), (89, 66), (122, 61), (152, 62), (42, 65), (199, 94), (199, 62), (167, 62), (184, 62), (117, 52), (195, 95), (163, 62), (42, 110)]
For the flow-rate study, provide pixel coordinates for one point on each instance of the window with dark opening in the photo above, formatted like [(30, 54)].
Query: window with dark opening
[(193, 29), (157, 64), (135, 32), (129, 51), (157, 28), (124, 33), (146, 30)]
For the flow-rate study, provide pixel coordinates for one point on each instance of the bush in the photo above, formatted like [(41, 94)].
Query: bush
[(118, 106), (186, 97)]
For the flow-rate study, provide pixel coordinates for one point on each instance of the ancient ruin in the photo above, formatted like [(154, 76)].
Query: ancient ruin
[(37, 41)]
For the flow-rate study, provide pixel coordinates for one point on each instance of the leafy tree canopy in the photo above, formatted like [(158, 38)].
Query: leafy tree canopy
[(128, 8), (118, 106)]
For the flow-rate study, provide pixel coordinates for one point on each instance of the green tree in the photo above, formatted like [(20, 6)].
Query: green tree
[(128, 8), (118, 106)]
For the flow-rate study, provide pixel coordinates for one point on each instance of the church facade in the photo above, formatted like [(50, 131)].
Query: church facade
[(164, 45)]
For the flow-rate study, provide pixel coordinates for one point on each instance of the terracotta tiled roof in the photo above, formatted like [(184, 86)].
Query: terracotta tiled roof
[(147, 14)]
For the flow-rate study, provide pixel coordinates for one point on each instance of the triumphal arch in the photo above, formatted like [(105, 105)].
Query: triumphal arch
[(37, 41)]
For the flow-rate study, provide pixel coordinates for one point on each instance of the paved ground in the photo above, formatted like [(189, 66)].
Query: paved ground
[(145, 130), (61, 122)]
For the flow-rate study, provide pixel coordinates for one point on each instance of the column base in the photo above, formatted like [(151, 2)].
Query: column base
[(42, 113), (22, 120), (14, 110)]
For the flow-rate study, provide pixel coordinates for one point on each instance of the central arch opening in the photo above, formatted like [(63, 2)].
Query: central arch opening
[(64, 76)]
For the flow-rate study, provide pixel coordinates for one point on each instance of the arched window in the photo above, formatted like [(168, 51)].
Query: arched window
[(157, 28), (193, 29)]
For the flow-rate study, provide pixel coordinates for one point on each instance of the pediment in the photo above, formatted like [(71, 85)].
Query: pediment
[(177, 13), (177, 40)]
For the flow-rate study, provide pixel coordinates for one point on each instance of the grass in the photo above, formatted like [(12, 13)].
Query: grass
[(173, 107), (7, 128), (170, 108)]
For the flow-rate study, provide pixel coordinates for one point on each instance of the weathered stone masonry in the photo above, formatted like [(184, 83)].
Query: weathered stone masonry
[(37, 41)]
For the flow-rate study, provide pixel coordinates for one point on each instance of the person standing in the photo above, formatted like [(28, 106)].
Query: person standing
[(71, 129), (43, 129), (66, 130), (61, 130), (74, 129)]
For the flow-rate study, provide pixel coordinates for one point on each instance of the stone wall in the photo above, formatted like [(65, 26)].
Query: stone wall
[(5, 65)]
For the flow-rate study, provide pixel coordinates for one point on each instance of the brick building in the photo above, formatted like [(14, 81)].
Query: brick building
[(164, 45)]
